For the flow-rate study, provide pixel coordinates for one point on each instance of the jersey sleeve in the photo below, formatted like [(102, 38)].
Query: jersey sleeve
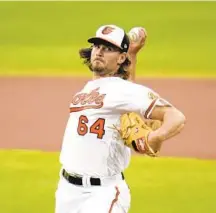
[(148, 100)]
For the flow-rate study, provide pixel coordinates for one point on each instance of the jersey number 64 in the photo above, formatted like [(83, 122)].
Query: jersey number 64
[(96, 128)]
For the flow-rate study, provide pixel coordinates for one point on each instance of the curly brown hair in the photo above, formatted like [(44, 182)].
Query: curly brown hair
[(85, 53)]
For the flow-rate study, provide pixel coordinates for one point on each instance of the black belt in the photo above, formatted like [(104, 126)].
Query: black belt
[(78, 180)]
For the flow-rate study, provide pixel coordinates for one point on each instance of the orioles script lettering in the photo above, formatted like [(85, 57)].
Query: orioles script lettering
[(92, 100)]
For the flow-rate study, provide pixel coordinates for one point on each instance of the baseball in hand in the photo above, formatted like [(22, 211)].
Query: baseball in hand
[(136, 33)]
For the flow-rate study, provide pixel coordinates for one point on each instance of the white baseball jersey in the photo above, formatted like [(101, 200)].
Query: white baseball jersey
[(91, 146)]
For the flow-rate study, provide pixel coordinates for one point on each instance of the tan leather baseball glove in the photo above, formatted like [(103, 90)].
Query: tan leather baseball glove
[(134, 131)]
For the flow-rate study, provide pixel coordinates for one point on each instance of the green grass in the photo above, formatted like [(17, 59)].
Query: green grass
[(171, 185), (43, 38)]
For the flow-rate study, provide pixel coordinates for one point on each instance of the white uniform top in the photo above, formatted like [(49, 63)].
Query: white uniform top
[(91, 146)]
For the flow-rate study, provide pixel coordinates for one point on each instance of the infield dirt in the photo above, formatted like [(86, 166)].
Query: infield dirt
[(34, 112)]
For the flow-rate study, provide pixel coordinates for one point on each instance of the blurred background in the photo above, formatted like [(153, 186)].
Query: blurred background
[(42, 38), (40, 70)]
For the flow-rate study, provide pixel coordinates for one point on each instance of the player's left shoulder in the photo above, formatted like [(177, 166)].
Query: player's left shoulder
[(132, 88), (144, 90), (129, 84)]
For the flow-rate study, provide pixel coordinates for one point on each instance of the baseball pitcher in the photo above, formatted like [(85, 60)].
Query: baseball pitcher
[(108, 117)]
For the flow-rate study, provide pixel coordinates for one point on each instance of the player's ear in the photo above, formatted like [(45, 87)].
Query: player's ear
[(122, 58)]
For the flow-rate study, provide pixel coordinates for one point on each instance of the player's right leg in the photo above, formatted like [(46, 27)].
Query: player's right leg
[(68, 197)]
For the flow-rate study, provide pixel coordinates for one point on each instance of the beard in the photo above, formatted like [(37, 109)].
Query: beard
[(98, 67)]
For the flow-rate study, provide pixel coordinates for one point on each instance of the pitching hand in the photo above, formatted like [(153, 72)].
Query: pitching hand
[(137, 42)]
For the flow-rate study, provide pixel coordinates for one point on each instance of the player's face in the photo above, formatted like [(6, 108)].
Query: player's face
[(106, 59)]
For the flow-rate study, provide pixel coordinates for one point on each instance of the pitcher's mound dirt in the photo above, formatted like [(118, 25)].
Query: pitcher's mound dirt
[(34, 112)]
